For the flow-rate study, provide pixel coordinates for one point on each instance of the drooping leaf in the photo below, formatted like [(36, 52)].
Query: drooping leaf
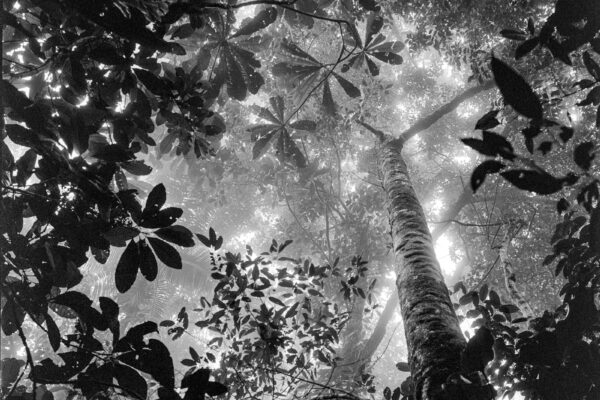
[(131, 381), (166, 253), (119, 235), (482, 170), (156, 199), (592, 66), (136, 167), (177, 234), (148, 265), (516, 91), (537, 181), (127, 267), (526, 47), (53, 333), (488, 121)]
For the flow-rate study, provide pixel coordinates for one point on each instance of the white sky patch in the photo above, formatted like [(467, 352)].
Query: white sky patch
[(467, 109), (461, 159), (465, 326), (442, 251)]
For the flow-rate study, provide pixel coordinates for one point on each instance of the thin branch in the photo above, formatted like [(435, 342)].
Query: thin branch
[(432, 118), (465, 223), (379, 134)]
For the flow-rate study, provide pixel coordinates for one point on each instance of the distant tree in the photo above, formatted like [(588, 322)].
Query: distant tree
[(86, 87)]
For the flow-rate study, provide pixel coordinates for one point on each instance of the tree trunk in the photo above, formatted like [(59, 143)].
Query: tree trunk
[(434, 339)]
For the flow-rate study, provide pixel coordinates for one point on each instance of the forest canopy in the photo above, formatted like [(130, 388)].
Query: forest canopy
[(282, 199)]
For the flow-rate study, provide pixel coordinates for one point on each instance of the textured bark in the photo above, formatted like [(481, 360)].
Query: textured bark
[(434, 339)]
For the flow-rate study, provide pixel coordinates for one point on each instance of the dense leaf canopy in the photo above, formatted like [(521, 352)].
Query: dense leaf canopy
[(192, 206)]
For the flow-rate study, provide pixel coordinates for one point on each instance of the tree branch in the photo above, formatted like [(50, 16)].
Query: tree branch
[(432, 118)]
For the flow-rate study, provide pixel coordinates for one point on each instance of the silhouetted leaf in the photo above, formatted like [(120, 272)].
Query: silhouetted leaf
[(148, 265), (53, 333), (127, 267), (593, 97), (162, 219), (482, 170), (136, 167), (526, 47), (348, 87), (584, 155), (177, 234), (12, 317), (514, 34), (166, 253), (131, 381), (403, 366), (535, 181), (594, 242), (592, 66), (488, 121), (119, 235), (156, 199), (516, 92)]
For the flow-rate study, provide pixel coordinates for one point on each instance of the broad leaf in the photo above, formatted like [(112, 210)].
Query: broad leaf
[(166, 253), (127, 267), (516, 92)]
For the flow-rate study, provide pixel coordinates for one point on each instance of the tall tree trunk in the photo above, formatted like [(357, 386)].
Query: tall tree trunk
[(434, 339)]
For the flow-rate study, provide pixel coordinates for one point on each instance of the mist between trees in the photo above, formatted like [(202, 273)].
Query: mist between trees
[(311, 199)]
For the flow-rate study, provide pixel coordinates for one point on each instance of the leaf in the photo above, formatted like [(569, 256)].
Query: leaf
[(156, 199), (25, 165), (113, 153), (177, 234), (584, 155), (166, 253), (136, 167), (534, 181), (148, 266), (592, 66), (21, 135), (509, 308), (348, 87), (516, 92), (403, 366), (155, 84), (374, 25), (488, 121), (593, 97), (304, 125), (594, 242), (526, 47), (53, 333), (261, 145), (12, 317), (260, 21), (127, 267), (482, 170), (388, 57), (513, 34), (491, 145), (131, 381), (163, 218), (119, 235)]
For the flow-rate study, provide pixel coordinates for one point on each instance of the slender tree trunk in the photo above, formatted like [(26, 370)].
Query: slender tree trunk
[(435, 341)]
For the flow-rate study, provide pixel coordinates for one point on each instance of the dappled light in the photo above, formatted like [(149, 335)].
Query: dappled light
[(310, 199)]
